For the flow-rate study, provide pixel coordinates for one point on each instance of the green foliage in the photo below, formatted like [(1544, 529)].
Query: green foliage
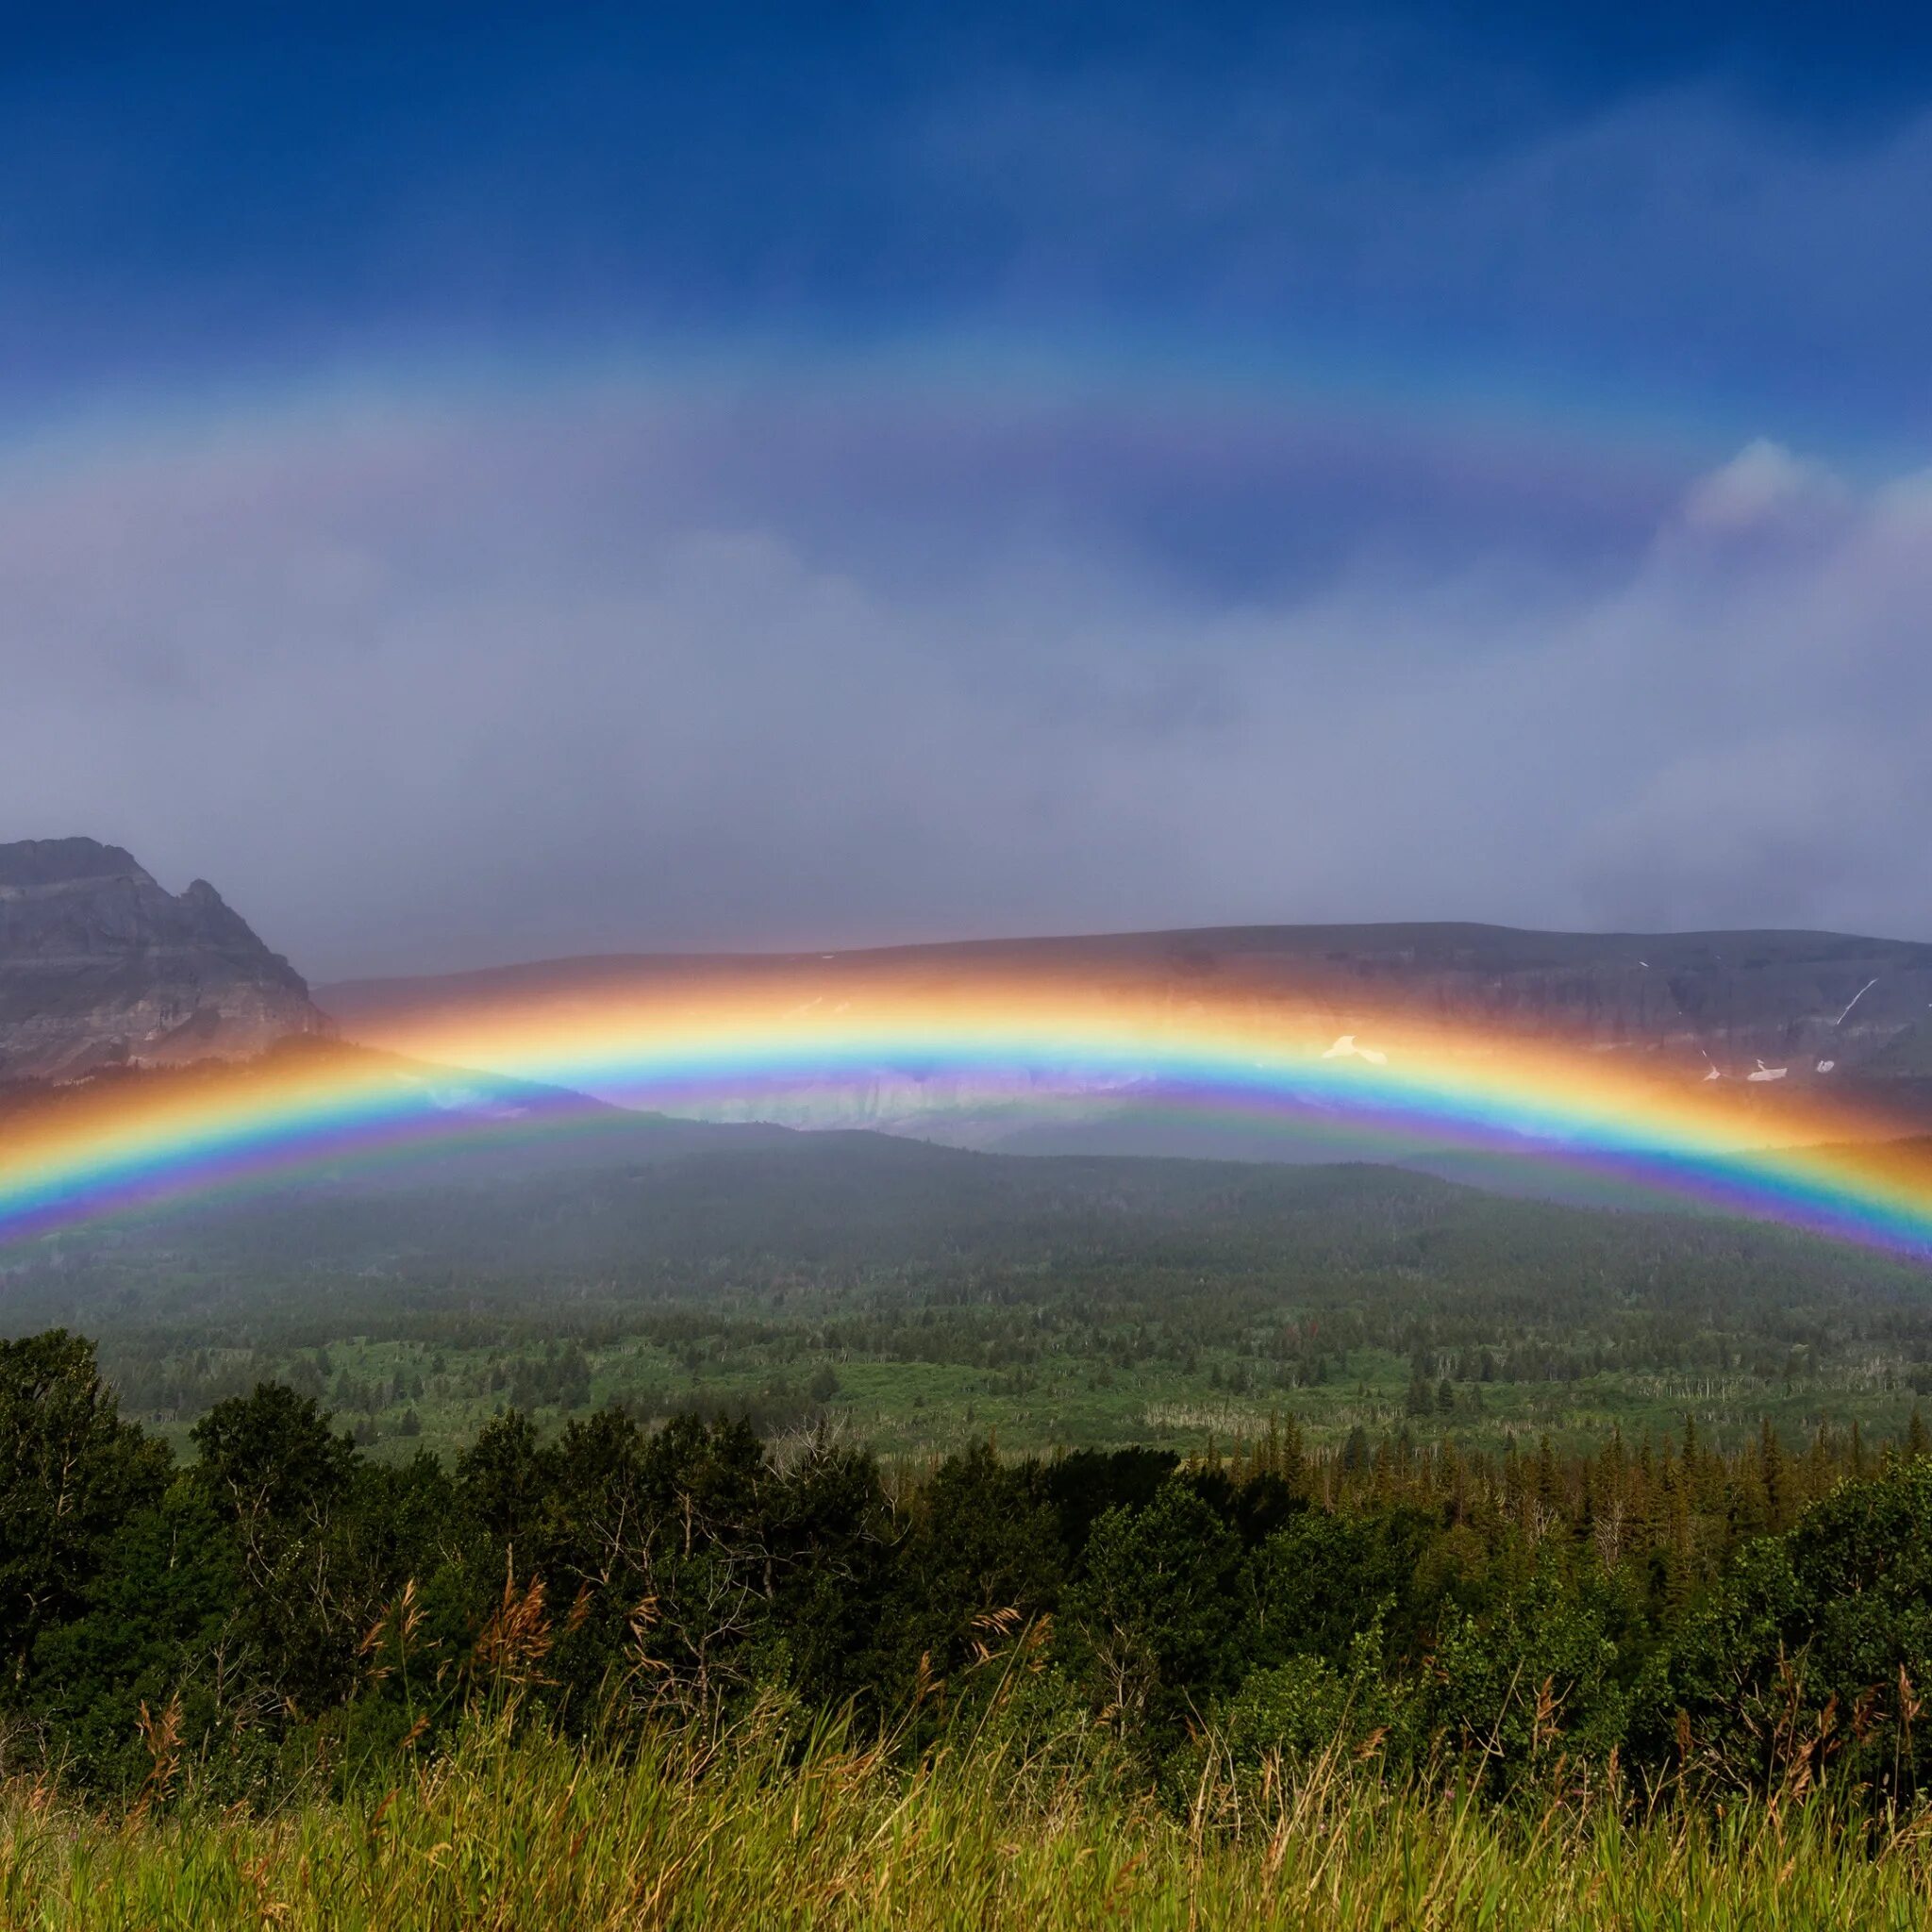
[(1294, 1710), (155, 1625), (71, 1471), (1537, 1678), (1313, 1497), (287, 1610), (1816, 1651), (1323, 1576), (980, 1559), (269, 1457), (1160, 1612)]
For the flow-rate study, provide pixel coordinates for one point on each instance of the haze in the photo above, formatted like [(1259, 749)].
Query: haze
[(628, 487)]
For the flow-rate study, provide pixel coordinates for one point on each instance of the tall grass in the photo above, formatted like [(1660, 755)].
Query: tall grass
[(749, 1832)]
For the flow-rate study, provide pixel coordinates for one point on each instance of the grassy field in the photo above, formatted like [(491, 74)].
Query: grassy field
[(700, 1833)]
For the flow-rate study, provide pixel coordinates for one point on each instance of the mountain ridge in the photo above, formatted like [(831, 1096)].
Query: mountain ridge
[(102, 966), (1248, 937), (1799, 1007)]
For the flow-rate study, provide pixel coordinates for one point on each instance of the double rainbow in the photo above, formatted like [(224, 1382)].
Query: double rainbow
[(1017, 1043)]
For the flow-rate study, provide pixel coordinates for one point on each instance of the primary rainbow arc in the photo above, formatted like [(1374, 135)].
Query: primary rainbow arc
[(1020, 1044)]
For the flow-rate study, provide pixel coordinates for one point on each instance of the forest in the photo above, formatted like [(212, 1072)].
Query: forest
[(281, 1611), (922, 1298)]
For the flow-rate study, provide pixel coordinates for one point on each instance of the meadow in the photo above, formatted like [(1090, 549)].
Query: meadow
[(705, 1832)]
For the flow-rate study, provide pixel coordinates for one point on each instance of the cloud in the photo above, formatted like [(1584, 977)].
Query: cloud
[(1763, 485), (427, 686)]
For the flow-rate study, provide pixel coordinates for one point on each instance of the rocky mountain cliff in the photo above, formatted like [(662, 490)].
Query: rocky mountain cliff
[(101, 966), (1773, 1014)]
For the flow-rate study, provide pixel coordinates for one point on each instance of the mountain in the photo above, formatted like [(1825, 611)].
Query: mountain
[(100, 966), (1777, 1012)]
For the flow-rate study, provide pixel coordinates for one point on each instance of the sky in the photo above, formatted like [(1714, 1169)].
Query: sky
[(480, 487)]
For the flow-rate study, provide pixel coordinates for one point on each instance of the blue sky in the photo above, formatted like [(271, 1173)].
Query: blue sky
[(1053, 405), (207, 192)]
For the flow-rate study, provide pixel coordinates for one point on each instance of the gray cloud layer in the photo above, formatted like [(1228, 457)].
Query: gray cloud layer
[(427, 688)]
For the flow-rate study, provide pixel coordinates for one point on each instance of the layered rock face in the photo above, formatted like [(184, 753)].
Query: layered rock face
[(1773, 1018), (101, 966), (1739, 1004), (1805, 1005)]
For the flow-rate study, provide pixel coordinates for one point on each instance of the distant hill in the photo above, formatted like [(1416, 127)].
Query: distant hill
[(100, 966), (1796, 1009), (873, 1222)]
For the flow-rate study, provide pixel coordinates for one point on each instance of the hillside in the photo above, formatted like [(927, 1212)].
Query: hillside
[(929, 1294), (1779, 1014)]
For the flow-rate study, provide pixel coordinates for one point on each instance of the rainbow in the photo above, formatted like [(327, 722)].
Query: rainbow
[(1017, 1043)]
